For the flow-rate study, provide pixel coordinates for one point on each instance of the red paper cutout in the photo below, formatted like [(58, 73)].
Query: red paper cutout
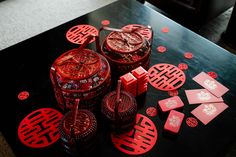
[(161, 49), (212, 74), (166, 77), (183, 66), (151, 111), (105, 22), (147, 33), (139, 140), (79, 33), (188, 55), (173, 93), (40, 128), (191, 122), (165, 30), (23, 95)]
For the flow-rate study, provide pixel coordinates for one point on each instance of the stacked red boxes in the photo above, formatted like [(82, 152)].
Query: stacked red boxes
[(129, 83), (142, 77)]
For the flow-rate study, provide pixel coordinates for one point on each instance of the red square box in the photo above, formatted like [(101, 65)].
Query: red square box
[(170, 103), (139, 72), (128, 79), (174, 121)]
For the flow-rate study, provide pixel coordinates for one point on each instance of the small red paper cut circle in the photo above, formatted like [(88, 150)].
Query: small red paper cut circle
[(166, 77), (173, 93), (79, 33), (105, 22), (165, 30), (151, 111), (23, 95), (161, 49), (147, 33), (212, 74), (139, 140), (40, 128), (188, 55), (191, 122), (183, 66)]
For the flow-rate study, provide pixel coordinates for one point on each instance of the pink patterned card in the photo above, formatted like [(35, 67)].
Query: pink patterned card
[(198, 96), (174, 121), (210, 84), (170, 103), (207, 112)]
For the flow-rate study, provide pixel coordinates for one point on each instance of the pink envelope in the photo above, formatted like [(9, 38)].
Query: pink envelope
[(174, 121), (198, 96), (207, 112), (210, 84)]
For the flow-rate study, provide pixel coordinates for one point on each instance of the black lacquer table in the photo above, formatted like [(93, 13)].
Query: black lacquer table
[(25, 67)]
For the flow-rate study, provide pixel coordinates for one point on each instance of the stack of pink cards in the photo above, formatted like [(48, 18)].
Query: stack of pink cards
[(209, 98)]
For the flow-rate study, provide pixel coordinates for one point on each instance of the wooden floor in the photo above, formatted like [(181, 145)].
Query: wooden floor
[(212, 30)]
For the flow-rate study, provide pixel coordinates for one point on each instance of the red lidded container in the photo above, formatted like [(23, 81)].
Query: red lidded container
[(119, 108), (126, 49), (80, 73), (78, 130)]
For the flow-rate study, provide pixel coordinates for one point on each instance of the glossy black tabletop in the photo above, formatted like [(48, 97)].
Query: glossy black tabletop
[(26, 65)]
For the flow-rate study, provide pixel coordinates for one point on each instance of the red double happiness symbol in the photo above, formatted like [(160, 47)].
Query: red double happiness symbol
[(191, 122), (212, 74), (40, 128), (166, 77), (23, 95), (151, 111), (139, 140), (79, 33)]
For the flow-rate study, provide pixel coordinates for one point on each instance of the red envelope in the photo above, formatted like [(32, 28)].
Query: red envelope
[(210, 84), (174, 121), (170, 103), (207, 112), (198, 96)]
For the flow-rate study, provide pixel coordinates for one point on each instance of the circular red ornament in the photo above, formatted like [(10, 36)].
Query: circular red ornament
[(173, 93), (139, 140), (105, 22), (183, 66), (165, 30), (151, 111), (23, 95), (79, 33), (212, 74), (191, 122), (161, 49), (40, 128), (147, 33), (188, 55), (166, 77)]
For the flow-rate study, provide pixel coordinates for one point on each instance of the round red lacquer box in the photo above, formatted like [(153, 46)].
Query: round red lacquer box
[(80, 73), (126, 49)]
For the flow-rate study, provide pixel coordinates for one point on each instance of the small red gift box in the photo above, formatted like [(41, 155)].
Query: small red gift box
[(174, 121), (170, 104)]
